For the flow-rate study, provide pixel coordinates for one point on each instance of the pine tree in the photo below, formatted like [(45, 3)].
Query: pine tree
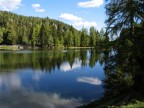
[(92, 36), (1, 35), (45, 37), (84, 38), (11, 35), (35, 35), (70, 39)]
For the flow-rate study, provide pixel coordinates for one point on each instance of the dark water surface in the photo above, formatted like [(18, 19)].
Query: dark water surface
[(50, 79)]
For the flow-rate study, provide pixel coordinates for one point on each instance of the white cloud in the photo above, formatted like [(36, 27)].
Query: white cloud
[(9, 5), (91, 3), (37, 7), (90, 80), (77, 22), (85, 24), (40, 10), (69, 17)]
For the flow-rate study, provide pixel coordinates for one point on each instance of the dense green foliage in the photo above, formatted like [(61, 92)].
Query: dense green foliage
[(124, 66), (123, 14), (124, 61), (43, 32)]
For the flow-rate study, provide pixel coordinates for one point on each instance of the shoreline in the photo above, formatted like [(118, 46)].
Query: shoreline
[(78, 47), (21, 47), (11, 47)]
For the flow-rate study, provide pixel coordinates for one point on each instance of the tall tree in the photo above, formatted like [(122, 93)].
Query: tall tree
[(11, 35), (45, 37), (35, 35), (70, 39), (76, 39), (124, 64), (84, 38), (123, 14), (92, 36), (24, 37), (1, 35)]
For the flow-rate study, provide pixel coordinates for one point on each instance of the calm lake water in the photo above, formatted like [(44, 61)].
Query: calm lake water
[(50, 79)]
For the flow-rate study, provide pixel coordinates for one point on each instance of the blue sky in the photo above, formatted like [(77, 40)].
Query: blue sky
[(79, 13)]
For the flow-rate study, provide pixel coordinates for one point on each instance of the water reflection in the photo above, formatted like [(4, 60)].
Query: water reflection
[(43, 60), (67, 67), (49, 79), (9, 82), (37, 75), (90, 80), (31, 99)]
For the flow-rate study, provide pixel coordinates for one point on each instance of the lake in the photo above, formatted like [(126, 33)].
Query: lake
[(50, 79)]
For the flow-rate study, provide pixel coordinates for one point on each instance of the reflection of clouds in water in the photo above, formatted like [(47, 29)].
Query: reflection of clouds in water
[(66, 66), (38, 100), (90, 80), (36, 76), (10, 81)]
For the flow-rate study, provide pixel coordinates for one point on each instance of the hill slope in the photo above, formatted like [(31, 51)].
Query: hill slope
[(35, 31)]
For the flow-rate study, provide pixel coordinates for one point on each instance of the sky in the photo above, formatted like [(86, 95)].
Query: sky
[(78, 13)]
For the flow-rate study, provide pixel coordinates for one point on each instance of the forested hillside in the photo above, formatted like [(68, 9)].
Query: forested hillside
[(43, 32)]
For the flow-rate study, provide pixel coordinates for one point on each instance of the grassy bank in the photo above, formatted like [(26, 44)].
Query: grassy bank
[(78, 47), (136, 104), (9, 47), (18, 47), (119, 101), (105, 104)]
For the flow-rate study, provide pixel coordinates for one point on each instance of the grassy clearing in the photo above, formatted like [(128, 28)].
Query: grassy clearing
[(9, 47)]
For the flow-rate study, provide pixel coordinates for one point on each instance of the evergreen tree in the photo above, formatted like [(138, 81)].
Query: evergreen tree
[(92, 36), (124, 64), (33, 41), (102, 37), (76, 39), (24, 37), (123, 14), (70, 39), (84, 38), (11, 36), (55, 37), (35, 35), (1, 35), (34, 31), (45, 37), (60, 34)]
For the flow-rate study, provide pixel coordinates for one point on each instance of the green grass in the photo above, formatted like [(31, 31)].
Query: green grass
[(107, 102), (110, 104), (137, 104), (9, 47), (131, 100)]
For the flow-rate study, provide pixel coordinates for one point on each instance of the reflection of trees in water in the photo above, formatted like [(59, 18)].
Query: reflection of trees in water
[(96, 55), (45, 60)]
